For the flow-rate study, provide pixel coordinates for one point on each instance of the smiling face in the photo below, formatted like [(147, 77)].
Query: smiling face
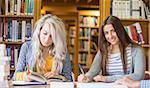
[(110, 34), (45, 35)]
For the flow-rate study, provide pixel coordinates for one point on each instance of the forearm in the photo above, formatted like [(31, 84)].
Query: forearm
[(95, 68), (134, 76)]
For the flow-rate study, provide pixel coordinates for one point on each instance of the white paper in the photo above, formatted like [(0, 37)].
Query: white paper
[(19, 83), (61, 85), (99, 85)]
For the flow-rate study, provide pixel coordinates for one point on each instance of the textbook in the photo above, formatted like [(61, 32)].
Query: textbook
[(40, 78)]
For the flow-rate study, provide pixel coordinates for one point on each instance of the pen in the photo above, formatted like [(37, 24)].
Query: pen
[(81, 69), (28, 69)]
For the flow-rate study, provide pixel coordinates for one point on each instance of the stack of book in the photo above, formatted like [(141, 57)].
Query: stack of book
[(5, 81)]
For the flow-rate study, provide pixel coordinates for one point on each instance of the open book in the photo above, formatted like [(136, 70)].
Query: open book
[(40, 78)]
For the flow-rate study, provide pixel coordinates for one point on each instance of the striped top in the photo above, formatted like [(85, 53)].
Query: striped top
[(114, 66)]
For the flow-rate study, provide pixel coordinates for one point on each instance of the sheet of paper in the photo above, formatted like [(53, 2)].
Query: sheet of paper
[(61, 85), (23, 83), (99, 85)]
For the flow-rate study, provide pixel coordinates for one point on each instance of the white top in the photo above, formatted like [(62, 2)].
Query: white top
[(114, 66)]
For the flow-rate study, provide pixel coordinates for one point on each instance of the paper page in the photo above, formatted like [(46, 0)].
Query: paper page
[(61, 85), (22, 83), (99, 85)]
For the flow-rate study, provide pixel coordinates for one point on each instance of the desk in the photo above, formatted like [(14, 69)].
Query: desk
[(75, 85), (33, 86)]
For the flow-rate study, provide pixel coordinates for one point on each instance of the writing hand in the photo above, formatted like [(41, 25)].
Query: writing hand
[(83, 78), (26, 77), (99, 78)]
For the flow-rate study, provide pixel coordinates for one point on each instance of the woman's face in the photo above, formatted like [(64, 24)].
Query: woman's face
[(110, 34), (45, 35)]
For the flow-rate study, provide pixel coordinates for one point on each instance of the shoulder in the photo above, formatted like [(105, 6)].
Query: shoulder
[(136, 49), (26, 45)]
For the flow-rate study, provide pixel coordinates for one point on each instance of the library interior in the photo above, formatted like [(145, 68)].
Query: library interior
[(82, 20)]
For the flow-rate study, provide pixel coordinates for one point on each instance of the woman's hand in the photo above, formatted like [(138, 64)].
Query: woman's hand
[(99, 78), (26, 77), (82, 78), (129, 82), (50, 74)]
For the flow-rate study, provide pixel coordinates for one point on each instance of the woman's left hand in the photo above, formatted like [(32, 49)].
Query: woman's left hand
[(50, 74), (99, 78)]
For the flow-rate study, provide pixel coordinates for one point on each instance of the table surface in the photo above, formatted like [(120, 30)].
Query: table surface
[(74, 85), (33, 86)]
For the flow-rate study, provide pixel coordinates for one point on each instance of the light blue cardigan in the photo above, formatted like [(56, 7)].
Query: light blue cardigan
[(137, 67), (25, 57)]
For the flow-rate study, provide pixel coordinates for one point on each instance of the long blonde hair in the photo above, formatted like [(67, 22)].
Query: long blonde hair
[(59, 47)]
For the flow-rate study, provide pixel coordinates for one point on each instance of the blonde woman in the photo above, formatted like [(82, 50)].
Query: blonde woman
[(47, 52)]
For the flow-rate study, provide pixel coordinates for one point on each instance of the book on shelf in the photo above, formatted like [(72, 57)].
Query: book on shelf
[(4, 67), (19, 7), (16, 30), (1, 30), (88, 21), (128, 8), (40, 78), (13, 53), (135, 33)]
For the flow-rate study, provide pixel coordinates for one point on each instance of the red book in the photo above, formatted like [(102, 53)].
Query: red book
[(133, 33)]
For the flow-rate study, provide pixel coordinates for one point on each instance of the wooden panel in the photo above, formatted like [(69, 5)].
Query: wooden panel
[(104, 10)]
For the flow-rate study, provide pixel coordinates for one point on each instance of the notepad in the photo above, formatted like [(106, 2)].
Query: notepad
[(99, 85), (61, 85), (23, 83)]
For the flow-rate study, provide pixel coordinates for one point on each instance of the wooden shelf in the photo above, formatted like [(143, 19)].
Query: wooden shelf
[(146, 46), (12, 43), (89, 27), (16, 16), (138, 20)]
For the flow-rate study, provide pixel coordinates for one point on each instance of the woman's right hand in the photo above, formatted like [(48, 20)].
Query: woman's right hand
[(82, 78), (26, 77)]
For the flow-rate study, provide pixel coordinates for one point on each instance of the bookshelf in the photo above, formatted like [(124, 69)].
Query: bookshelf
[(88, 37), (70, 20), (145, 24), (17, 19)]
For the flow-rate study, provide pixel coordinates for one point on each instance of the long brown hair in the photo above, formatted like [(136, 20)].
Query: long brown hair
[(104, 44)]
